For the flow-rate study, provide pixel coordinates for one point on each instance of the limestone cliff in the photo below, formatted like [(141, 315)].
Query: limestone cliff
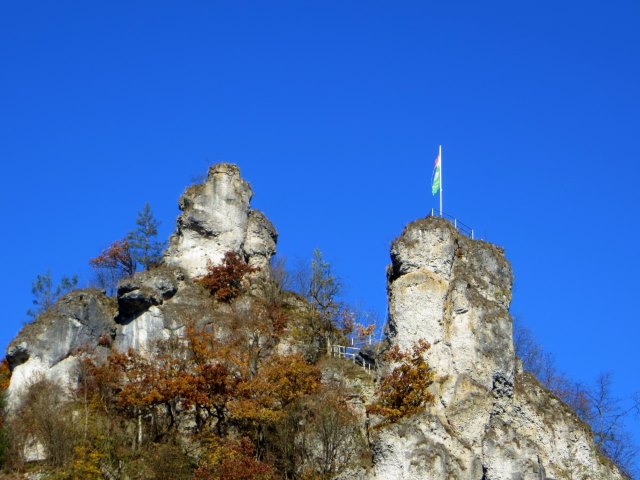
[(153, 305), (216, 219), (490, 421), (50, 346)]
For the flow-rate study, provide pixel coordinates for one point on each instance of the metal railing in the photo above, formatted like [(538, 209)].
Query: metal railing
[(461, 227), (352, 354), (360, 340)]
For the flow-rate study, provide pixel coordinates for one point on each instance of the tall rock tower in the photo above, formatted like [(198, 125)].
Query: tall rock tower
[(489, 421), (215, 219)]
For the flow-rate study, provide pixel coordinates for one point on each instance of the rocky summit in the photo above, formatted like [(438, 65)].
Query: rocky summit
[(216, 219), (489, 420)]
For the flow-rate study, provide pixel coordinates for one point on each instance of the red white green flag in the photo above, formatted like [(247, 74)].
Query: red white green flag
[(435, 187)]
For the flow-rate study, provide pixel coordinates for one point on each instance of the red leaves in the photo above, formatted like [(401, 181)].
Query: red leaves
[(225, 281), (232, 459), (116, 257), (113, 264)]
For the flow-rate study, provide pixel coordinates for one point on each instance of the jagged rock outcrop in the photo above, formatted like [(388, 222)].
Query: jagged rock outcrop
[(50, 346), (489, 421), (150, 306), (216, 219), (146, 289)]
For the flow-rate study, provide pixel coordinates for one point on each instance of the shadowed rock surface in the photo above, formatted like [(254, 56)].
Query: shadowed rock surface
[(51, 345), (145, 289)]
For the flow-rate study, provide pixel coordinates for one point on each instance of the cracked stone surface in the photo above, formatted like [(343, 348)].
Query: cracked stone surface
[(489, 420), (215, 219), (51, 345)]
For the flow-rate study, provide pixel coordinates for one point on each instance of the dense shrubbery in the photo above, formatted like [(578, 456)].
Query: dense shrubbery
[(219, 402)]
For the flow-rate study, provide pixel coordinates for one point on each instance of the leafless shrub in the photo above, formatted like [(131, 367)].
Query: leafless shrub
[(45, 419)]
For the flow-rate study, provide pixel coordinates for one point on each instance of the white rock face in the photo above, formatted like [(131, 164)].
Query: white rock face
[(489, 421), (49, 347), (143, 333), (216, 219)]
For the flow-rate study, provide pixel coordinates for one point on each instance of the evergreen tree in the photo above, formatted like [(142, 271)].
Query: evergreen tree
[(46, 294), (147, 250)]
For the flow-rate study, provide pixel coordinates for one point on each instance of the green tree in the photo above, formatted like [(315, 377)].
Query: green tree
[(147, 250), (46, 293), (321, 288), (324, 287)]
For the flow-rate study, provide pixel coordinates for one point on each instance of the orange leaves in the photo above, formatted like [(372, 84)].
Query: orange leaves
[(207, 374), (290, 377), (225, 281), (113, 264), (281, 380), (5, 378), (116, 256), (405, 390), (232, 459), (5, 375), (365, 331)]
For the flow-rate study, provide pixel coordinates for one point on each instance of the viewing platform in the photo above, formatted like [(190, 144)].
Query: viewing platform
[(461, 227)]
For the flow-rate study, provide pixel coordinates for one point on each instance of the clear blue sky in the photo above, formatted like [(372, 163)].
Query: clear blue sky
[(334, 111)]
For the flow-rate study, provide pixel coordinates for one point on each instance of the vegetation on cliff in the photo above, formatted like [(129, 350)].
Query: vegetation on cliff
[(243, 397)]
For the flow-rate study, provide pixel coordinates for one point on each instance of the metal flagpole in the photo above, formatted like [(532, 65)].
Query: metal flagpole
[(440, 157)]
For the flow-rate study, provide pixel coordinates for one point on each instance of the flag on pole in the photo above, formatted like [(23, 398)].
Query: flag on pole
[(435, 187)]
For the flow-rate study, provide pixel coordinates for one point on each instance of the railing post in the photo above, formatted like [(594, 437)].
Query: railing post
[(455, 223), (472, 234)]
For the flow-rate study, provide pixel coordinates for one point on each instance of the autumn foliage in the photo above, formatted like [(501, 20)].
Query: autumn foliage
[(225, 281), (232, 460), (5, 375), (114, 263), (404, 391), (231, 391), (226, 398), (5, 378)]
